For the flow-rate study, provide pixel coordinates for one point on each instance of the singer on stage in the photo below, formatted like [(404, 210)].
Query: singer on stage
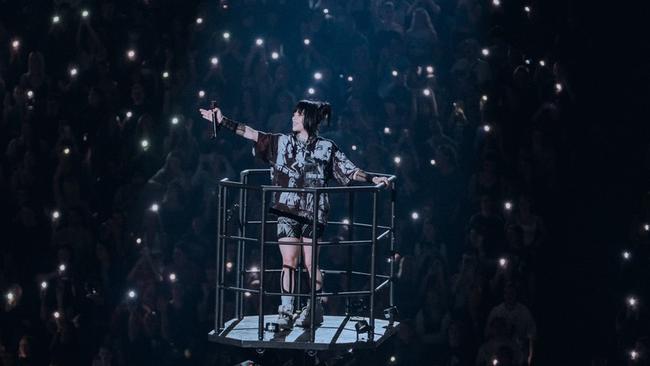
[(298, 159)]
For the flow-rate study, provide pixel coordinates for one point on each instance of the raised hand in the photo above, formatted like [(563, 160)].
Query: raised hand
[(207, 114)]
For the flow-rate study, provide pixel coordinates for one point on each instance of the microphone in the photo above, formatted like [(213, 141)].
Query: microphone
[(215, 125)]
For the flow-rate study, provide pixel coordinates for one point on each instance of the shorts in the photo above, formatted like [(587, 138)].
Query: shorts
[(290, 228)]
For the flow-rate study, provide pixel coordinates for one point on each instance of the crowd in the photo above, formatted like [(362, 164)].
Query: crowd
[(108, 174)]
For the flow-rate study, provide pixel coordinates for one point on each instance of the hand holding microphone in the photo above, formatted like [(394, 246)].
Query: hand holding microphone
[(213, 115)]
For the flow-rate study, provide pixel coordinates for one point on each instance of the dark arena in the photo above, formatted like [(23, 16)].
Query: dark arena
[(324, 182)]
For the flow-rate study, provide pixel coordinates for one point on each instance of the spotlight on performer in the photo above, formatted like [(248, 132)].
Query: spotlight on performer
[(507, 205), (318, 75), (201, 93), (558, 88), (145, 144), (542, 63), (154, 207), (394, 73), (627, 255), (387, 130), (632, 302), (259, 42), (214, 60), (397, 160), (165, 74), (306, 41), (172, 277), (175, 120), (56, 19), (85, 14), (311, 91), (275, 55), (487, 128), (130, 54), (55, 215), (226, 35), (426, 92), (485, 52), (15, 44), (432, 161), (350, 78), (199, 20)]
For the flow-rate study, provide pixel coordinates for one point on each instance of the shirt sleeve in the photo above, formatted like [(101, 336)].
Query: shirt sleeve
[(266, 147), (342, 168)]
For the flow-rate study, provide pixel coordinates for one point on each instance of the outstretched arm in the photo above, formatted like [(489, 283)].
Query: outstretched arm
[(238, 128), (362, 176)]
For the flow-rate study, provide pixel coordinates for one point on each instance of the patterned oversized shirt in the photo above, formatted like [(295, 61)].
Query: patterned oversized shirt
[(300, 164)]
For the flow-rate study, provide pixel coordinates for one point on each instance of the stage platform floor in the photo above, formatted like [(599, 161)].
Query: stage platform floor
[(336, 332)]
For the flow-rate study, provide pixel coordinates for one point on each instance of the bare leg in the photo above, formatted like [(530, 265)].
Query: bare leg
[(289, 261), (307, 250)]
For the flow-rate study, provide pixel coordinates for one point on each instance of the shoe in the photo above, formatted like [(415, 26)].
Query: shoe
[(304, 317), (285, 317)]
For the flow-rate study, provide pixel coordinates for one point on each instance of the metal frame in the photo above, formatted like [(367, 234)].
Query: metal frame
[(243, 186)]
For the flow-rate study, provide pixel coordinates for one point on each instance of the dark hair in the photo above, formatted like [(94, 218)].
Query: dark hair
[(314, 112)]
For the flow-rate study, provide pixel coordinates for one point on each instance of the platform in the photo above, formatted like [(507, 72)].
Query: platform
[(336, 333)]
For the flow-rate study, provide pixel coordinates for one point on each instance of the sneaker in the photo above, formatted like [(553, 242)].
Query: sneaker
[(304, 317), (285, 317)]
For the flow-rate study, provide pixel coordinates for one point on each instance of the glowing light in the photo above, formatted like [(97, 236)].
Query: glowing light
[(229, 265), (259, 41), (387, 130), (350, 78), (634, 354), (275, 55), (10, 296), (426, 92), (311, 91), (247, 294), (503, 262), (74, 72), (558, 87), (306, 41), (129, 114), (646, 227), (15, 44), (154, 207), (43, 285), (496, 2), (326, 11), (226, 35), (62, 267), (527, 61), (56, 315), (172, 277), (56, 215), (393, 359), (201, 93), (394, 73), (354, 147), (397, 160), (144, 144), (485, 52), (507, 205), (318, 75), (432, 161), (214, 61), (131, 294), (542, 63), (495, 362), (85, 13), (175, 120), (254, 269), (56, 19), (199, 20), (626, 254), (346, 221), (165, 75), (484, 98), (415, 215), (30, 94), (632, 301), (130, 54), (487, 128), (527, 9), (138, 240)]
